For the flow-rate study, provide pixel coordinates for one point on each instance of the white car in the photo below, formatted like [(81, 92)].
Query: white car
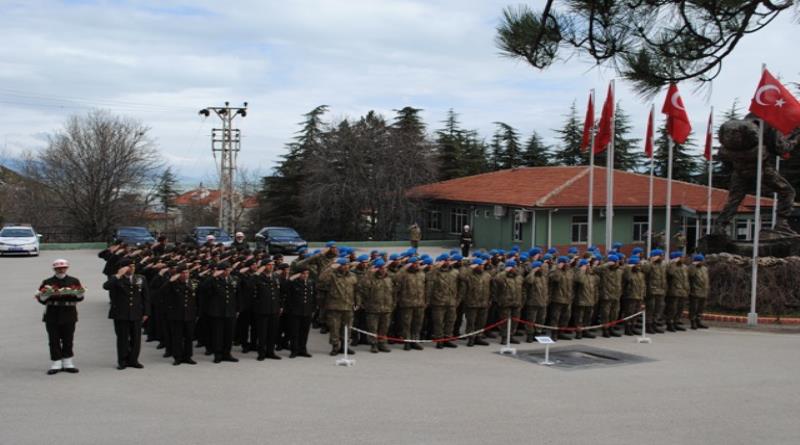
[(19, 240)]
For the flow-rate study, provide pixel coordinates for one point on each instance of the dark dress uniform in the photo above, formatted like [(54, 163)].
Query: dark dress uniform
[(300, 305), (60, 316), (267, 308), (180, 300), (221, 295), (129, 305), (245, 323)]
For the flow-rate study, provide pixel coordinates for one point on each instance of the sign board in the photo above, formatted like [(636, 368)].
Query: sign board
[(545, 340)]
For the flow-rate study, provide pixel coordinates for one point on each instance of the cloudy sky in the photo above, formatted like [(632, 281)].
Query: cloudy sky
[(162, 61)]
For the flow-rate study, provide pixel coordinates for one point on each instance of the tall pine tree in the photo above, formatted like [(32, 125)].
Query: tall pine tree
[(571, 134), (536, 154), (495, 160), (475, 154), (511, 154), (628, 154), (166, 192), (450, 148), (685, 164)]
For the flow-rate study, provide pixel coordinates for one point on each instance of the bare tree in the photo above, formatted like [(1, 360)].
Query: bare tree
[(94, 169)]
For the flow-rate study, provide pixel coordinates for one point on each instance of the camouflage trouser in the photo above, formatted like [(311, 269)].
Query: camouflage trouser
[(442, 318), (630, 307), (654, 308), (609, 310), (411, 319), (559, 314), (337, 322), (696, 307), (378, 323), (323, 313), (508, 312), (674, 309), (582, 315), (743, 183), (535, 314), (476, 318)]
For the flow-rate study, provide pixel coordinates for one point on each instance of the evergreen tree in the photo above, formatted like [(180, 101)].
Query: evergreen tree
[(450, 148), (166, 191), (685, 165), (571, 134), (511, 156), (628, 154), (536, 154), (495, 159), (475, 154), (722, 169)]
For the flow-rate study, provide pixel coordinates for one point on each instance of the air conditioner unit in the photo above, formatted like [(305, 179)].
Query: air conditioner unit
[(499, 211), (522, 216)]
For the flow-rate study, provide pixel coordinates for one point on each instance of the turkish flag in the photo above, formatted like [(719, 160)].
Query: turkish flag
[(775, 104), (648, 140), (604, 129), (588, 124), (709, 137), (678, 125)]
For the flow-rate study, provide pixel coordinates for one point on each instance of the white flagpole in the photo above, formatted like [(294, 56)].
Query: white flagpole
[(610, 178), (752, 316), (710, 175), (668, 234), (591, 177), (775, 195), (650, 200)]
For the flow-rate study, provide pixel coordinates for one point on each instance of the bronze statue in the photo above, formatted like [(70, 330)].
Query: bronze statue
[(739, 140)]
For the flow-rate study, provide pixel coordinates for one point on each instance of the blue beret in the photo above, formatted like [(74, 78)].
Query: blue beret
[(342, 261), (394, 257), (552, 251), (598, 257), (637, 250), (511, 263), (657, 252), (633, 260), (699, 257), (493, 252), (524, 257), (583, 262), (457, 257), (363, 258), (613, 258), (536, 264), (413, 259), (424, 255), (535, 251), (572, 250), (330, 244), (379, 263), (563, 259), (548, 256), (427, 261), (675, 254), (617, 245), (477, 261), (515, 249)]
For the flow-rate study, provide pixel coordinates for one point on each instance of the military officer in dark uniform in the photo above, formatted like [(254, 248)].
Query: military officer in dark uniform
[(129, 308), (267, 309), (300, 305), (60, 294), (179, 296), (221, 292)]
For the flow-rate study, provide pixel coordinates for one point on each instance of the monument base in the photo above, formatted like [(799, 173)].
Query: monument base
[(771, 244)]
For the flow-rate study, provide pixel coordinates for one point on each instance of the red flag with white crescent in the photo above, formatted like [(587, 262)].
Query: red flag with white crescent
[(588, 125), (603, 137), (709, 137), (775, 104), (678, 125), (648, 141)]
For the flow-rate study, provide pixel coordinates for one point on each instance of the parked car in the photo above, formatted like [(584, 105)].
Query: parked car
[(199, 234), (133, 236), (19, 240), (280, 240)]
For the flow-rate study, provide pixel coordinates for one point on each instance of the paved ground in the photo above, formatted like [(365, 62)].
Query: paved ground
[(720, 386)]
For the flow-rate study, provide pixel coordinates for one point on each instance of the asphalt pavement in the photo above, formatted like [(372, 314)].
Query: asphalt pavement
[(717, 386)]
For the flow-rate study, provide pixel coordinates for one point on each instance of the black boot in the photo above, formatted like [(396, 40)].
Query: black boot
[(614, 332), (416, 346), (589, 334), (471, 342), (694, 325), (606, 333), (374, 348), (700, 325), (407, 347), (679, 327), (481, 342), (578, 334), (439, 345), (670, 327), (334, 350), (529, 338)]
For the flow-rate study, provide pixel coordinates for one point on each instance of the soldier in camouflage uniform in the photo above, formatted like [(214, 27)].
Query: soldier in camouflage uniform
[(635, 290), (476, 300), (611, 292), (536, 299), (677, 291), (411, 302), (585, 298), (461, 266), (340, 301), (508, 286), (561, 287), (378, 304), (318, 265), (698, 291), (655, 271), (443, 298)]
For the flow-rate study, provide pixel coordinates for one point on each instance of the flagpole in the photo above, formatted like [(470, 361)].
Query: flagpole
[(710, 175), (591, 177), (650, 200), (610, 178), (775, 195), (752, 316), (668, 234)]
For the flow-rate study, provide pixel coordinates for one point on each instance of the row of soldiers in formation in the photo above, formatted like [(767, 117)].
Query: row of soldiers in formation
[(222, 296)]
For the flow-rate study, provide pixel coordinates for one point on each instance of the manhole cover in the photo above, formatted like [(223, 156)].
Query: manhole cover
[(581, 357)]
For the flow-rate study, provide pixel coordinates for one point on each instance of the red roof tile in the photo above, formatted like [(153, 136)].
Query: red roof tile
[(209, 197), (550, 187)]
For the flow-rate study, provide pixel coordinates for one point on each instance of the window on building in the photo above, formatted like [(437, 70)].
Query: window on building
[(743, 231), (518, 217), (580, 229), (640, 228), (435, 220), (458, 219)]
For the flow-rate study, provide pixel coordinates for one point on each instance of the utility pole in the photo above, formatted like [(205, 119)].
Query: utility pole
[(227, 142)]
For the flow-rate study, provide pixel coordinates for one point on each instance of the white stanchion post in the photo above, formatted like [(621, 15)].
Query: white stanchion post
[(346, 361), (546, 341), (644, 338), (507, 349)]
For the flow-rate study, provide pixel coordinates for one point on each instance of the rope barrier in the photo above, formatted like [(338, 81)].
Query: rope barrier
[(581, 328), (435, 340)]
